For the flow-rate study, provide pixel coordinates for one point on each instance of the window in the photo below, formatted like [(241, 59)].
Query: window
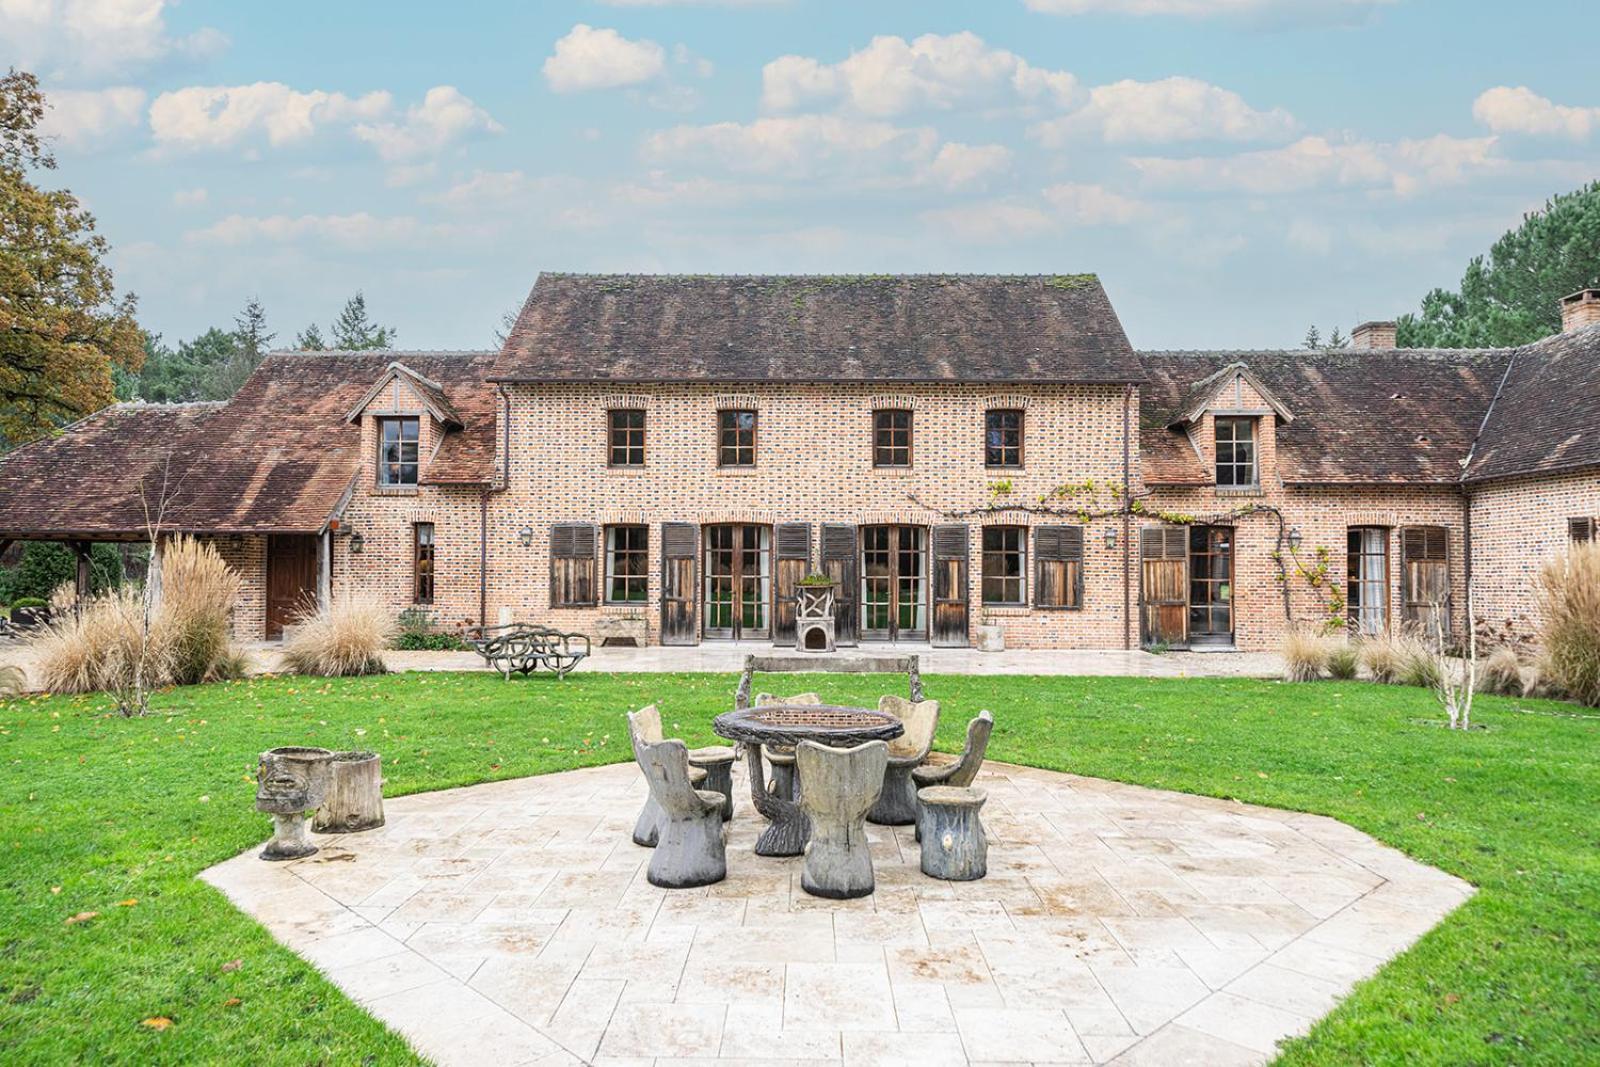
[(397, 451), (627, 564), (1002, 438), (1236, 453), (891, 438), (1425, 578), (422, 563), (736, 439), (1580, 530), (572, 565), (1367, 588), (1005, 565), (1058, 554), (625, 437)]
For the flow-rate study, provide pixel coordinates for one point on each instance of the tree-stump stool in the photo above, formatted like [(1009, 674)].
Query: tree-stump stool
[(954, 847), (355, 795), (717, 762), (785, 782)]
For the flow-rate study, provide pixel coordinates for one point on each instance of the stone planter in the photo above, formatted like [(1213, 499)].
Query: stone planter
[(291, 783), (355, 795), (991, 638)]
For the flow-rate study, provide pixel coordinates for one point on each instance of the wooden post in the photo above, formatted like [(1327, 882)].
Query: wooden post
[(324, 570), (355, 795), (81, 548)]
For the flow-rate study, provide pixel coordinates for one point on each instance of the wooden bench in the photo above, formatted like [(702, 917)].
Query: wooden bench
[(524, 648)]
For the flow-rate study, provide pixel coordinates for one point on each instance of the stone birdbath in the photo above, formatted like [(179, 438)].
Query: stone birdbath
[(291, 783)]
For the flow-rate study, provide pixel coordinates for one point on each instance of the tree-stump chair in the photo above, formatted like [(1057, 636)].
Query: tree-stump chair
[(943, 768), (954, 846), (783, 782), (897, 805), (842, 784), (691, 849), (644, 728)]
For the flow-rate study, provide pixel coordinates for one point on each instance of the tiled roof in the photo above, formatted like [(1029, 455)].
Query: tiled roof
[(791, 328), (1362, 416), (279, 456), (1547, 416)]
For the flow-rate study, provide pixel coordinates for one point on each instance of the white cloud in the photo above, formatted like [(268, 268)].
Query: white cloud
[(587, 58), (1165, 111), (445, 116), (960, 165), (1093, 205), (95, 38), (485, 188), (86, 118), (1313, 163), (356, 231), (1523, 111), (1058, 208), (693, 3), (892, 76), (795, 147), (221, 116), (190, 197), (1285, 10)]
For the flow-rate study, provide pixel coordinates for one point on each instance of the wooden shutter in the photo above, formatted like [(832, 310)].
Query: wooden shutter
[(841, 563), (1425, 578), (794, 560), (572, 555), (1580, 530), (951, 553), (679, 548), (1059, 552), (1164, 584)]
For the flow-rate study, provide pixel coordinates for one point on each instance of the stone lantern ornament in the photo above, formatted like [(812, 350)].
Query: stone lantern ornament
[(291, 783)]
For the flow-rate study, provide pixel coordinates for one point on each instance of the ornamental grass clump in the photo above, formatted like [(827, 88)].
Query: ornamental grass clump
[(198, 591), (1501, 673), (344, 639), (105, 645), (1568, 592), (1419, 665), (1383, 655), (1305, 656), (1344, 659)]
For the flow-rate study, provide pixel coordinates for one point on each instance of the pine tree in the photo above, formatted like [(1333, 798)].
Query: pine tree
[(251, 341), (354, 331), (310, 340), (1313, 338), (1337, 339)]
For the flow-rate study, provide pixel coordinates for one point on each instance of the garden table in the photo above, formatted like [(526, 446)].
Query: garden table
[(789, 724)]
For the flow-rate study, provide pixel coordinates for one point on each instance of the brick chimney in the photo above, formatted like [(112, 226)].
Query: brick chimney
[(1580, 310), (1373, 335)]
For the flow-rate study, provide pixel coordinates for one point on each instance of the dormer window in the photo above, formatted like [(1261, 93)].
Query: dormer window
[(397, 451), (1236, 453)]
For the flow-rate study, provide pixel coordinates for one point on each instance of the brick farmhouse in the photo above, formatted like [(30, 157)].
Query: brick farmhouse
[(664, 458)]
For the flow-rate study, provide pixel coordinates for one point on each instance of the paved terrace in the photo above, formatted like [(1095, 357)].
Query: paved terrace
[(511, 923)]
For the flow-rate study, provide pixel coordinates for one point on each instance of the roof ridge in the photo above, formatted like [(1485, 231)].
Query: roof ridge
[(855, 275), (392, 354)]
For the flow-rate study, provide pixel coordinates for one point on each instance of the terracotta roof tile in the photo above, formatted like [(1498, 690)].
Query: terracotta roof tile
[(1547, 416)]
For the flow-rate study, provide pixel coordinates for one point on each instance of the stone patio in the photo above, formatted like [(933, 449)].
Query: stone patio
[(511, 923)]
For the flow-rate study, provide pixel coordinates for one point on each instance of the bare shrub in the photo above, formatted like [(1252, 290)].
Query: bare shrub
[(345, 638), (1305, 656), (1568, 590), (105, 645), (1344, 660), (198, 591), (1501, 673)]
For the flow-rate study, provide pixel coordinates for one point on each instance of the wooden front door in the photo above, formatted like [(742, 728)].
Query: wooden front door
[(1164, 581), (794, 560), (1210, 585), (678, 552), (950, 587), (291, 580)]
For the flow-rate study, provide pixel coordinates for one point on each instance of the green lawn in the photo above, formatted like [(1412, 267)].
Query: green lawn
[(97, 812)]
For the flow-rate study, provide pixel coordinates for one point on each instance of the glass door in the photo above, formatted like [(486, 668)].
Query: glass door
[(738, 581), (894, 583), (1210, 585)]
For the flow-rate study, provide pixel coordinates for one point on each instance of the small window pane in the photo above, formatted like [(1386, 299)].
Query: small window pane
[(891, 438), (1236, 453), (1002, 438), (397, 451), (625, 438), (627, 564), (422, 563), (1005, 565), (736, 438)]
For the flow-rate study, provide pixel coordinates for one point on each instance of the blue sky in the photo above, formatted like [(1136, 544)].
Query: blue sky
[(1233, 169)]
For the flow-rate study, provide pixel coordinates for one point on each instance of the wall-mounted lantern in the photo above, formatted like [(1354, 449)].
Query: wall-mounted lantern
[(1111, 538), (1294, 539), (357, 542), (525, 535)]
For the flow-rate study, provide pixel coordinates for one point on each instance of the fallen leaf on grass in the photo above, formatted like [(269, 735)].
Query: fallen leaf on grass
[(232, 1002), (159, 1022), (232, 965), (82, 917)]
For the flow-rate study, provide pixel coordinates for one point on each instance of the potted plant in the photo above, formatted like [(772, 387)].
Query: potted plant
[(29, 611)]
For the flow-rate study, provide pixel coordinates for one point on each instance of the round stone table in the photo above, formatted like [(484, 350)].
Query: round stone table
[(789, 724)]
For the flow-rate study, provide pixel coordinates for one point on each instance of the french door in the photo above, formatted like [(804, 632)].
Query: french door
[(738, 582), (1211, 585), (894, 583)]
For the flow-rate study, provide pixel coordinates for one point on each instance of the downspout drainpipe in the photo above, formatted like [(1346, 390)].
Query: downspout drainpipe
[(483, 504), (1127, 517)]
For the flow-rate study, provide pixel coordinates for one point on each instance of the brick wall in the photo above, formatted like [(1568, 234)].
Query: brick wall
[(248, 556), (1518, 525)]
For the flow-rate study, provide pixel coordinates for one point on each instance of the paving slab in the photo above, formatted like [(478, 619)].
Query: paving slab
[(511, 922)]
